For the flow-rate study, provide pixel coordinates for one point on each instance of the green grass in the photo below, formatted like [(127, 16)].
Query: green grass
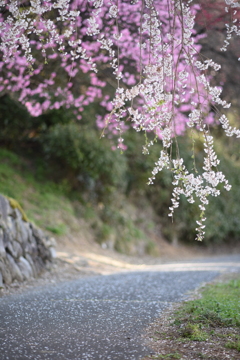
[(194, 332), (233, 345), (213, 320), (46, 203), (219, 306), (60, 229)]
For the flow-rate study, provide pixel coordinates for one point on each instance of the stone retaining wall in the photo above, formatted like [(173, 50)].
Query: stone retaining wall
[(24, 249)]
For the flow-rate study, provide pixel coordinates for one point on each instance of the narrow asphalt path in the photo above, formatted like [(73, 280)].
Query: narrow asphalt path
[(100, 317)]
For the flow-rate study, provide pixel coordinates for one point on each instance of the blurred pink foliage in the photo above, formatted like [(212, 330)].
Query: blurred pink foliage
[(58, 82)]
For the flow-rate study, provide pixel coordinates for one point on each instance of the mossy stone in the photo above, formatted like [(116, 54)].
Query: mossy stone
[(15, 205)]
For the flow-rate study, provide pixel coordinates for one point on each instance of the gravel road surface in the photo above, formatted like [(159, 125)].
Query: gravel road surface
[(99, 317)]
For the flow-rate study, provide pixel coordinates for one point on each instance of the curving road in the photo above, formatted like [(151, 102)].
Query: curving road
[(101, 317)]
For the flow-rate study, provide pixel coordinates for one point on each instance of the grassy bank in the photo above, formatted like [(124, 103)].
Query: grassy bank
[(56, 208), (40, 199), (204, 328)]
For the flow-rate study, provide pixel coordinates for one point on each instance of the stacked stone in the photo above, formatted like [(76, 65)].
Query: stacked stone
[(24, 249)]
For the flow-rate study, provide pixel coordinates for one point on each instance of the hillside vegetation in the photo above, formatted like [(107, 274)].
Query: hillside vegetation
[(68, 179), (61, 212)]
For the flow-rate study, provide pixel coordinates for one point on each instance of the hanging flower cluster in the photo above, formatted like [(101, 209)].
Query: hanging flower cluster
[(168, 90), (23, 20)]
